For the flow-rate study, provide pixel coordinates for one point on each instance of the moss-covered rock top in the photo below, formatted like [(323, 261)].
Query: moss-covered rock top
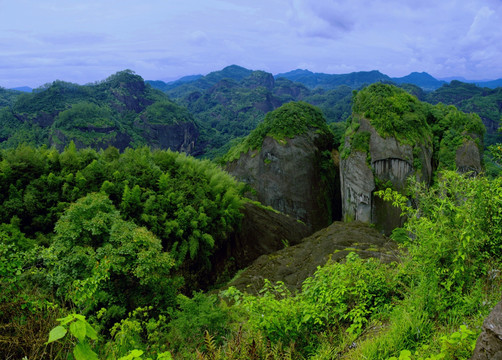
[(287, 121), (393, 112)]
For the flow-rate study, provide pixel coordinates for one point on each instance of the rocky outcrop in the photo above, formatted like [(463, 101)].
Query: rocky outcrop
[(385, 162), (468, 157), (180, 137), (294, 264), (357, 185), (489, 343), (262, 231), (288, 176), (103, 138)]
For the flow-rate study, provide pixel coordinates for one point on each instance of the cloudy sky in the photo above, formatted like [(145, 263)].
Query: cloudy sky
[(87, 40)]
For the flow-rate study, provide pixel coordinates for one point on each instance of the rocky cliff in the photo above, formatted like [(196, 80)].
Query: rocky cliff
[(489, 343), (378, 163), (468, 157), (263, 231), (295, 174), (393, 136), (121, 111)]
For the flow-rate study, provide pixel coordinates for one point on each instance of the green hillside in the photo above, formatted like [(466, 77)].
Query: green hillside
[(118, 111)]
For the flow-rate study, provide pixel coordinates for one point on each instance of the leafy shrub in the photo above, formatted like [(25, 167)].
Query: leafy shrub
[(99, 259), (194, 317), (362, 288)]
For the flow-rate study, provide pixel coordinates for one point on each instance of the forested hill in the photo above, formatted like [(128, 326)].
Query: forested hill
[(121, 111), (331, 81), (7, 96), (228, 104), (207, 112)]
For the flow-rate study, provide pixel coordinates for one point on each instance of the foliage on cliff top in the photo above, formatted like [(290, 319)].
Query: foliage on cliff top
[(393, 112), (288, 121), (8, 96)]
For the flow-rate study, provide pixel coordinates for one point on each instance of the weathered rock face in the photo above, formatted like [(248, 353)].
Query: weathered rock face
[(357, 184), (287, 176), (489, 344), (386, 162), (294, 264), (262, 231), (177, 137), (468, 157), (116, 139)]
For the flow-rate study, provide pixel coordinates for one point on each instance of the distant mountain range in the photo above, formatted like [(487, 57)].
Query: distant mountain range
[(230, 102), (23, 89), (312, 80), (207, 113), (318, 80)]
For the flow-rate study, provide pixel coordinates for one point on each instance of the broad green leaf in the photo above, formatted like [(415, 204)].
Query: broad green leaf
[(165, 356), (91, 333), (57, 333), (66, 320), (83, 351), (79, 317), (78, 329), (133, 354)]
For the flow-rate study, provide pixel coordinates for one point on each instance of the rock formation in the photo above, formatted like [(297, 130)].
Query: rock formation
[(180, 137), (262, 231), (294, 264), (295, 175), (385, 162), (489, 343), (468, 157)]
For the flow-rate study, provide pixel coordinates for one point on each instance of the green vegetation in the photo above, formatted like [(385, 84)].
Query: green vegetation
[(108, 233), (7, 97), (395, 113), (115, 112), (471, 98), (104, 255), (428, 305), (284, 123)]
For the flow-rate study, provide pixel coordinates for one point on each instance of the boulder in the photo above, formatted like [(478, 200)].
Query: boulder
[(489, 343), (263, 230)]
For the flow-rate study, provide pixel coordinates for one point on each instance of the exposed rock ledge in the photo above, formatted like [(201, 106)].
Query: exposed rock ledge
[(294, 264)]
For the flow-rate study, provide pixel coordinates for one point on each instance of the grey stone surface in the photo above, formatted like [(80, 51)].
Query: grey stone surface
[(294, 264), (468, 158), (489, 343), (287, 175)]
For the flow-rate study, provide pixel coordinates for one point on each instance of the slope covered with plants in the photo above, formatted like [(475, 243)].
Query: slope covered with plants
[(120, 111)]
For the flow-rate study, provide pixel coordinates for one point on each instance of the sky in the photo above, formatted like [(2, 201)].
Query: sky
[(83, 41)]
